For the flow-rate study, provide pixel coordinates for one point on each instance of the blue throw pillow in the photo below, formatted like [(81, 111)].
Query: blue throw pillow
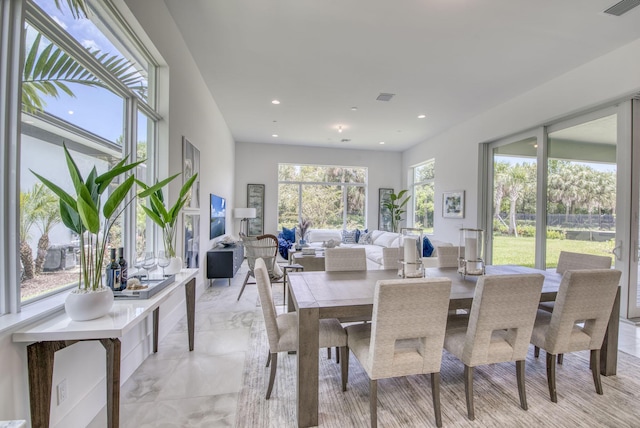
[(366, 238), (289, 234), (359, 233), (349, 237), (427, 247)]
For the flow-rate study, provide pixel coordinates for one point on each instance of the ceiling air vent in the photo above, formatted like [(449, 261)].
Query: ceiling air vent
[(622, 7), (387, 97)]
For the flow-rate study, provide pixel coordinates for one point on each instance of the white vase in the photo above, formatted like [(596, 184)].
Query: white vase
[(85, 305), (175, 265)]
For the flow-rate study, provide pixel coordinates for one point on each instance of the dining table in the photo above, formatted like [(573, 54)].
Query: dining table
[(320, 295)]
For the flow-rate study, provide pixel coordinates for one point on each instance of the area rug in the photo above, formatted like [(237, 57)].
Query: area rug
[(406, 402)]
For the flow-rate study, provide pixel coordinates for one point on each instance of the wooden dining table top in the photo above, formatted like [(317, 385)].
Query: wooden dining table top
[(331, 291)]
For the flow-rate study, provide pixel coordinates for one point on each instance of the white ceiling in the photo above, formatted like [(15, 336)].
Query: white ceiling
[(448, 59)]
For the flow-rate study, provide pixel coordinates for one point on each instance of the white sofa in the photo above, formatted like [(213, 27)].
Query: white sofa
[(381, 254)]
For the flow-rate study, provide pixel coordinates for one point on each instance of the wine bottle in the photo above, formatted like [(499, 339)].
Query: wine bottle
[(113, 272), (123, 269)]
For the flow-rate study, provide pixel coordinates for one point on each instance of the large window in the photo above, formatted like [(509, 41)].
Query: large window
[(85, 85), (332, 197), (423, 195)]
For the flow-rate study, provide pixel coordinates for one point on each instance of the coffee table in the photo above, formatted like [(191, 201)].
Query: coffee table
[(311, 262)]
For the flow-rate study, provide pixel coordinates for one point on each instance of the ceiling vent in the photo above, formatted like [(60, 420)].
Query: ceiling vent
[(387, 97), (622, 7)]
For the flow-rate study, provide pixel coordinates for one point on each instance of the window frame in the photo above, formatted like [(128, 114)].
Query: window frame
[(414, 184), (12, 47)]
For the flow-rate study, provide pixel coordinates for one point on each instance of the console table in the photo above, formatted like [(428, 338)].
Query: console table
[(58, 332), (224, 262)]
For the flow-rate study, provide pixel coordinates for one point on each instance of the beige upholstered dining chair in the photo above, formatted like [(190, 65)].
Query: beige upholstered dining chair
[(577, 261), (497, 329), (266, 248), (405, 335), (282, 329), (448, 257), (345, 259), (579, 320)]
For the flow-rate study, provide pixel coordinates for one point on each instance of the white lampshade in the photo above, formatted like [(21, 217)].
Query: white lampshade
[(244, 212)]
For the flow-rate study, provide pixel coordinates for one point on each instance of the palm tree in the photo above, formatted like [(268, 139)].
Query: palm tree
[(46, 216), (48, 69), (28, 202)]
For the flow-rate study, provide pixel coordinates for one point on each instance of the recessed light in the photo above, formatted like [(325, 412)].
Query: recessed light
[(275, 102), (381, 142), (422, 116), (274, 135), (340, 128), (354, 108)]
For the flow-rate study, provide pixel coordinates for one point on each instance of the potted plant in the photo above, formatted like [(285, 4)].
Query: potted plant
[(396, 206), (167, 218), (81, 214), (303, 227)]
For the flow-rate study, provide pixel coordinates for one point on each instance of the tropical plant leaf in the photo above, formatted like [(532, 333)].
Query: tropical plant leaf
[(78, 8), (70, 218), (148, 190), (88, 211), (120, 168), (153, 216), (74, 172), (117, 197), (187, 186), (64, 196)]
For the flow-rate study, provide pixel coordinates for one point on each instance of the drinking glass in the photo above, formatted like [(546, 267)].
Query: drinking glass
[(163, 260), (139, 264), (149, 263)]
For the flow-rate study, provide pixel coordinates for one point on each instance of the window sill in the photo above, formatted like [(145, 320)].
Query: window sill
[(33, 312)]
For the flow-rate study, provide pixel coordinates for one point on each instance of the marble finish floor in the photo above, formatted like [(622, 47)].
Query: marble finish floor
[(178, 388)]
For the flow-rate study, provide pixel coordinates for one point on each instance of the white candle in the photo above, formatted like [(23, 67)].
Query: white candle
[(410, 254), (471, 249)]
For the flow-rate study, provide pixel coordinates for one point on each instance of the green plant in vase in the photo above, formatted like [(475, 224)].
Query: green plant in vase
[(81, 214), (166, 217), (396, 206)]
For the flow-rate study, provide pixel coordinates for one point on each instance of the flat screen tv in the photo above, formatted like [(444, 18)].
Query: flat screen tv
[(218, 215)]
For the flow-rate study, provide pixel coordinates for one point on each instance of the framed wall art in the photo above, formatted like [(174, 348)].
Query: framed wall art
[(384, 215), (191, 240), (453, 204), (191, 166), (255, 199)]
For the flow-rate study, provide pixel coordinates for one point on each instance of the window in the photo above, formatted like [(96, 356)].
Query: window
[(332, 197), (89, 113), (423, 195)]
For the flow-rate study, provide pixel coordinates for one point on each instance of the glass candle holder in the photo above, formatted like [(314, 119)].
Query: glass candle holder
[(410, 253), (471, 252)]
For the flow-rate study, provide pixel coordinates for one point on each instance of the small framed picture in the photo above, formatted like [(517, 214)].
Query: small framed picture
[(453, 204)]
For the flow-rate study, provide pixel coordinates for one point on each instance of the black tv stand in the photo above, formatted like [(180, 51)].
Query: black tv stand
[(224, 262)]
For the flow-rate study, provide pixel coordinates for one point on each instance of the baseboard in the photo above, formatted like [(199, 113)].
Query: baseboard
[(632, 321)]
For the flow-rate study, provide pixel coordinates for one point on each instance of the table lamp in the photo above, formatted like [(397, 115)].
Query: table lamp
[(244, 214)]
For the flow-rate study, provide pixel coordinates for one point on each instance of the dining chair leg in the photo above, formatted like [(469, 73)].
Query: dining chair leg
[(560, 358), (551, 377), (521, 385), (344, 366), (244, 284), (328, 353), (268, 358), (435, 393), (595, 369), (373, 402), (468, 391), (337, 355), (272, 375), (536, 351)]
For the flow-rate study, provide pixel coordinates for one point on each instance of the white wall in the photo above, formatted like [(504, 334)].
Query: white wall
[(258, 164), (609, 78), (191, 112)]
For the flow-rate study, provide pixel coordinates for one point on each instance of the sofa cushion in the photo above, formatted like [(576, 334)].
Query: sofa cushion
[(374, 253), (427, 247), (386, 239), (366, 237), (349, 237), (319, 235), (289, 234), (376, 234)]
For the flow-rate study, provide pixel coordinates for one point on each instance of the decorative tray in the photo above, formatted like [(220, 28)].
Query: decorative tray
[(154, 285)]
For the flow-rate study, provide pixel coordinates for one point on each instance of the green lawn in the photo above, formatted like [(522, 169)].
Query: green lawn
[(508, 250)]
